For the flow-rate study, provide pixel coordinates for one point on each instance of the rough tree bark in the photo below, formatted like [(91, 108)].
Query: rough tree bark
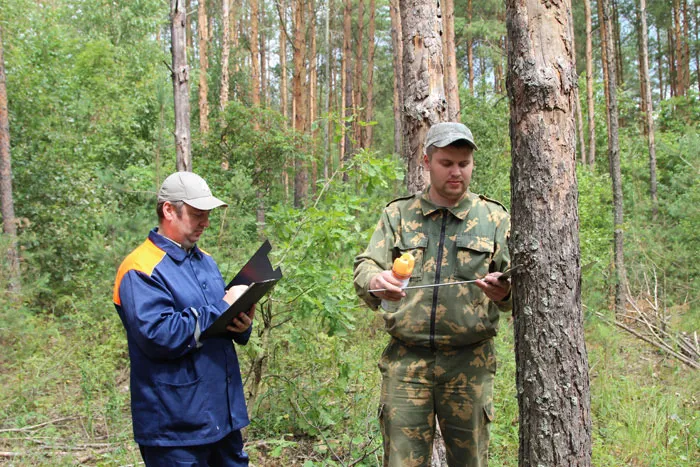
[(551, 360), (615, 174), (397, 42), (589, 83), (7, 207), (649, 108), (424, 99), (203, 67), (450, 59), (181, 81)]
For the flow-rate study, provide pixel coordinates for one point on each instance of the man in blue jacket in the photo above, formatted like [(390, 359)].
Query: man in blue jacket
[(187, 401)]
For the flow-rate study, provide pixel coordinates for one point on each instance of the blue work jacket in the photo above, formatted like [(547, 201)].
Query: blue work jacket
[(184, 391)]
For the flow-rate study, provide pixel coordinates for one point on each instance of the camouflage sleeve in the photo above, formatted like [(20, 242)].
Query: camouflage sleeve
[(375, 259), (502, 257)]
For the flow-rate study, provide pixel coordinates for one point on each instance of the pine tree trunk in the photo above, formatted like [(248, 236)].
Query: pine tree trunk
[(348, 92), (589, 84), (357, 86), (678, 62), (225, 52), (235, 8), (615, 174), (313, 92), (551, 360), (203, 67), (397, 43), (298, 79), (284, 104), (697, 46), (450, 58), (605, 62), (649, 109), (577, 103), (686, 49), (424, 98), (470, 49), (181, 92), (327, 95), (263, 57), (615, 31), (369, 100), (659, 58), (254, 53), (7, 207)]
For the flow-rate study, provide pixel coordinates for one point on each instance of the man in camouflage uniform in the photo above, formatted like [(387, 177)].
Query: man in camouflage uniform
[(440, 359)]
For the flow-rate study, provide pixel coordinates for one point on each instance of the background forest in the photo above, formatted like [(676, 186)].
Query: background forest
[(293, 117)]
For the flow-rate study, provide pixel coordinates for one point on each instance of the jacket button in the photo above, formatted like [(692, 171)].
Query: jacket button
[(204, 286)]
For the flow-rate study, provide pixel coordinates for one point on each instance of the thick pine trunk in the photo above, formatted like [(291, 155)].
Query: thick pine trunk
[(648, 106), (589, 84), (450, 58), (552, 366), (424, 98), (181, 90), (7, 209), (397, 42), (203, 67), (615, 174)]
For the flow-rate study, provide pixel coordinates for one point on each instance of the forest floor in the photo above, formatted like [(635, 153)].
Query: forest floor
[(645, 405)]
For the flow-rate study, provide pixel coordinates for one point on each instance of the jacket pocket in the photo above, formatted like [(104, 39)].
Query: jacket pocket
[(416, 244), (182, 406), (474, 254)]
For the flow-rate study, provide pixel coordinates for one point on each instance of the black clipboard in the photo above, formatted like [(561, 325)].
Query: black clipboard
[(260, 278)]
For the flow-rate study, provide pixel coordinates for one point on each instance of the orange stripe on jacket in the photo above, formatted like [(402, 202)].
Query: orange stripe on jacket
[(144, 259)]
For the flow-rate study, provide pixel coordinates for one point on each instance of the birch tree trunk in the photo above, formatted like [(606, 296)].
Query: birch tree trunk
[(424, 98), (181, 82), (7, 207), (589, 83), (551, 360), (225, 52), (450, 59), (397, 43), (203, 67), (648, 107), (615, 174)]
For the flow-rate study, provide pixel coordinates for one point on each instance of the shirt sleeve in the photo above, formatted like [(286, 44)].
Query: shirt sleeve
[(154, 323), (375, 259)]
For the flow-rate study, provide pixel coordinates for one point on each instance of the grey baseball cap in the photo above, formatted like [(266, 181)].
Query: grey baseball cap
[(445, 133), (189, 188)]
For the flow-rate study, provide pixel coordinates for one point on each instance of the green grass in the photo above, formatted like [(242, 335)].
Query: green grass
[(319, 403)]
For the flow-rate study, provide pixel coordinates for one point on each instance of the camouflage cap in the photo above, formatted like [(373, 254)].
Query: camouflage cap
[(445, 133)]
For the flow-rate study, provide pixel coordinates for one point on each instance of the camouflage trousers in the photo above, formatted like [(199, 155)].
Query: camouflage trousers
[(418, 384)]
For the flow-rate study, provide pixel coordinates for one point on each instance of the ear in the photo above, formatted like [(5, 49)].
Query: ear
[(169, 211), (426, 162)]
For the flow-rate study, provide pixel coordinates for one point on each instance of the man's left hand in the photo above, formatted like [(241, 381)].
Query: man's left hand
[(242, 322), (494, 289)]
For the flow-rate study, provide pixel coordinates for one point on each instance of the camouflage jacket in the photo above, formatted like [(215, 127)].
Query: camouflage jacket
[(460, 243)]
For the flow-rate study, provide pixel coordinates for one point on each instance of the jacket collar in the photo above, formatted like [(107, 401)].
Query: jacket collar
[(460, 211), (171, 248)]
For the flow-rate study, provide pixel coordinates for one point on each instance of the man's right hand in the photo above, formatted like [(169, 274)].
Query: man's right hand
[(386, 280), (234, 293)]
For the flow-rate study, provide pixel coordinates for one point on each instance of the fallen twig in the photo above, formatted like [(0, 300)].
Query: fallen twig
[(33, 427)]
